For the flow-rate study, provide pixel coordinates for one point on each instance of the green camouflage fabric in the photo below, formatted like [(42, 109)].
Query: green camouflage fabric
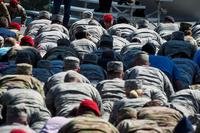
[(138, 126), (166, 118), (30, 100), (135, 103), (88, 125), (20, 81)]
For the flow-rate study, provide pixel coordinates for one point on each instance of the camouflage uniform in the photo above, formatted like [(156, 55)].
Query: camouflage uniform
[(122, 30), (83, 46), (20, 81), (189, 72), (60, 77), (138, 126), (90, 25), (165, 30), (166, 118), (147, 35), (31, 101), (119, 43), (35, 26), (196, 33), (111, 91), (64, 97), (84, 124), (49, 35), (187, 102), (151, 76)]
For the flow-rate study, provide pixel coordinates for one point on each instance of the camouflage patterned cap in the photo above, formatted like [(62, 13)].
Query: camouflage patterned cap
[(87, 14), (115, 66), (71, 62), (24, 69), (90, 58), (44, 14), (133, 84)]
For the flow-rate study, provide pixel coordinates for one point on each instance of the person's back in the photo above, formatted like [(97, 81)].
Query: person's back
[(30, 100), (187, 102), (122, 30), (63, 98), (165, 30), (177, 45), (35, 26), (60, 78), (151, 77), (189, 71), (86, 124), (83, 46), (21, 81)]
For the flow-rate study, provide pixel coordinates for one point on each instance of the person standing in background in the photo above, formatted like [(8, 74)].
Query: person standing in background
[(4, 11), (15, 10), (56, 9)]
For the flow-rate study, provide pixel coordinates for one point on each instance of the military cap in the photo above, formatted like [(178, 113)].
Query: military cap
[(87, 14), (133, 84), (90, 58), (24, 68), (71, 62), (115, 66), (44, 14), (57, 17)]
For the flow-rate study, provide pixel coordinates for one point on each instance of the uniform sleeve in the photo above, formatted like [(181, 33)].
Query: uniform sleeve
[(168, 88), (156, 94)]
